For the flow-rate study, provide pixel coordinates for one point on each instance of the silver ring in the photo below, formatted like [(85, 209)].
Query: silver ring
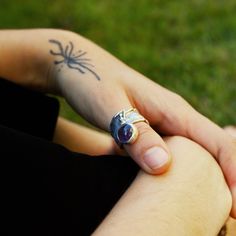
[(122, 126)]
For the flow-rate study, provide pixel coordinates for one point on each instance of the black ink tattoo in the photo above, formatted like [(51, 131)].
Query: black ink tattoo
[(73, 60)]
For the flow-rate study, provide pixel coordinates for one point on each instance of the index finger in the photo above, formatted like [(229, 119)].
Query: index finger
[(219, 144)]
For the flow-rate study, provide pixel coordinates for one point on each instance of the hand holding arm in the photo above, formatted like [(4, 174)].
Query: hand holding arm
[(191, 199), (98, 85)]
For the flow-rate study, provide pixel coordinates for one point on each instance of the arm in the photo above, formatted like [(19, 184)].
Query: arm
[(79, 138), (191, 199), (23, 58), (98, 85)]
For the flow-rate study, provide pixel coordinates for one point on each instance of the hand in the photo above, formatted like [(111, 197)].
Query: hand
[(106, 86), (98, 85)]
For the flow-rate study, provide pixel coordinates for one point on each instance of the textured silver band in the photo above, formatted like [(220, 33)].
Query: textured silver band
[(122, 128)]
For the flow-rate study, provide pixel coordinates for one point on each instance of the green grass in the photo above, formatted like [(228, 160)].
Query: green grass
[(188, 46)]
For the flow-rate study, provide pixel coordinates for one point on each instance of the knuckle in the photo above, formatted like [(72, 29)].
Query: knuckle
[(177, 98), (143, 128)]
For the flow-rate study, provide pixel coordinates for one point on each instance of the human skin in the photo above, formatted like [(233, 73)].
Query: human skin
[(171, 202), (231, 223), (192, 198), (78, 138), (98, 85), (153, 203)]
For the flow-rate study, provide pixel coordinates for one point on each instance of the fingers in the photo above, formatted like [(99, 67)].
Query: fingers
[(232, 131), (149, 150), (220, 144)]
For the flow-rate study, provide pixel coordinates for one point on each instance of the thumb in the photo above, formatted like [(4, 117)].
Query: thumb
[(149, 150)]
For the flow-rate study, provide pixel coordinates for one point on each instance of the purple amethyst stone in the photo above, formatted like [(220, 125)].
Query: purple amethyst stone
[(125, 133)]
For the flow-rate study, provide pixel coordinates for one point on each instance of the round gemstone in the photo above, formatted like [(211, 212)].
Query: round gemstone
[(125, 132)]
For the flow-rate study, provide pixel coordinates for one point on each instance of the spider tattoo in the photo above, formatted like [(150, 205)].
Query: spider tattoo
[(73, 60)]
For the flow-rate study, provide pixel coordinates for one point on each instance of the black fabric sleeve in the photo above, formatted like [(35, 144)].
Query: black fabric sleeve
[(28, 111)]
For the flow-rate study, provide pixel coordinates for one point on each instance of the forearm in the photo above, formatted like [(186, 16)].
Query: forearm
[(65, 63), (24, 57), (191, 199), (27, 55), (78, 138)]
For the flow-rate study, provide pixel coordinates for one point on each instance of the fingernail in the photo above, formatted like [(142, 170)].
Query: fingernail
[(155, 157)]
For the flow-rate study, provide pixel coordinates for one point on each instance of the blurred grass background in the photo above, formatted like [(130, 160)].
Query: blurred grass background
[(188, 46)]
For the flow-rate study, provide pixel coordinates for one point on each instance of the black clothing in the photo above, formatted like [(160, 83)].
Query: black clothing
[(47, 189)]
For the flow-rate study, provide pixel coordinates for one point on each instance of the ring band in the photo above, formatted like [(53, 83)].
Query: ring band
[(122, 126)]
